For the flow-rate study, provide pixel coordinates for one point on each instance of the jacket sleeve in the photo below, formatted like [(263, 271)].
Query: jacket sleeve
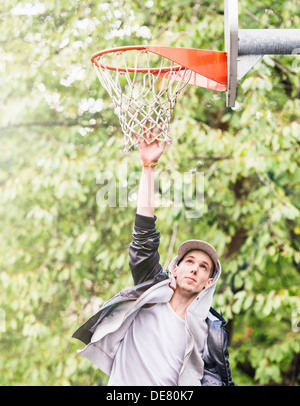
[(224, 367), (143, 251), (216, 362)]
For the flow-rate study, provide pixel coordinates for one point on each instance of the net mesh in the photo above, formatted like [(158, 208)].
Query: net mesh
[(143, 97)]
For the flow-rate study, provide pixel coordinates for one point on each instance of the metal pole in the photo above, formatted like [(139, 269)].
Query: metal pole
[(269, 42)]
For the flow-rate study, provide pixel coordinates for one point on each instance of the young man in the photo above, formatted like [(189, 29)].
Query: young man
[(162, 331)]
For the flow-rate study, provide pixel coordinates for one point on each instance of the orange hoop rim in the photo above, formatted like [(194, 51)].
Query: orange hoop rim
[(97, 55)]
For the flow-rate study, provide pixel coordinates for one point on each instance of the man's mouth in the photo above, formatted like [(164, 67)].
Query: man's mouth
[(191, 279)]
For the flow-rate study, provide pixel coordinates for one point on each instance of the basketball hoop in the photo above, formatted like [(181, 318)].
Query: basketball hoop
[(144, 97)]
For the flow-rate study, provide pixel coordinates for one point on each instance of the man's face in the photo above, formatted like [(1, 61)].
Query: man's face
[(193, 273)]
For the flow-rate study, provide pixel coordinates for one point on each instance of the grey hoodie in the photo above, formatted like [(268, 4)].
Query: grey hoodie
[(104, 331)]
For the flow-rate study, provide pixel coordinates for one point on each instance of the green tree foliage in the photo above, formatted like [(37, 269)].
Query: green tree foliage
[(63, 254)]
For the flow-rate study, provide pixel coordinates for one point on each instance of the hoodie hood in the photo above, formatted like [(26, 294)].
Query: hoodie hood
[(203, 302)]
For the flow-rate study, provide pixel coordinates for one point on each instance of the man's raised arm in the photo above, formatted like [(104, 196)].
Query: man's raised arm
[(143, 251)]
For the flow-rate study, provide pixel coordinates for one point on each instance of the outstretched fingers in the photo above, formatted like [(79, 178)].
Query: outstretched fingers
[(149, 142)]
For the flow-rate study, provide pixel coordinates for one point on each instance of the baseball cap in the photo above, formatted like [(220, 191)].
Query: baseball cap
[(191, 245)]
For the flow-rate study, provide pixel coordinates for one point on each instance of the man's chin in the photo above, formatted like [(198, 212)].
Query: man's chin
[(190, 288)]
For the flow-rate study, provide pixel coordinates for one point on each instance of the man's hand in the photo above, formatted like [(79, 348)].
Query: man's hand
[(152, 150)]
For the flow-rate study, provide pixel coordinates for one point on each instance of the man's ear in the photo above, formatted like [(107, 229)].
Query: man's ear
[(209, 282), (174, 272)]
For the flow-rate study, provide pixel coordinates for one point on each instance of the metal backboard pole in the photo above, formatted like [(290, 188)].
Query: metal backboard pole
[(247, 46)]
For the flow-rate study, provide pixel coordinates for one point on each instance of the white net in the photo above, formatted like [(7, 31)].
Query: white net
[(143, 97)]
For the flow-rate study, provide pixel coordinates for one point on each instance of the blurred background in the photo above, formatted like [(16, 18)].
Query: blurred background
[(62, 254)]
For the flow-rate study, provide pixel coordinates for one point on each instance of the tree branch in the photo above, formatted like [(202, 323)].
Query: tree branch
[(171, 245)]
